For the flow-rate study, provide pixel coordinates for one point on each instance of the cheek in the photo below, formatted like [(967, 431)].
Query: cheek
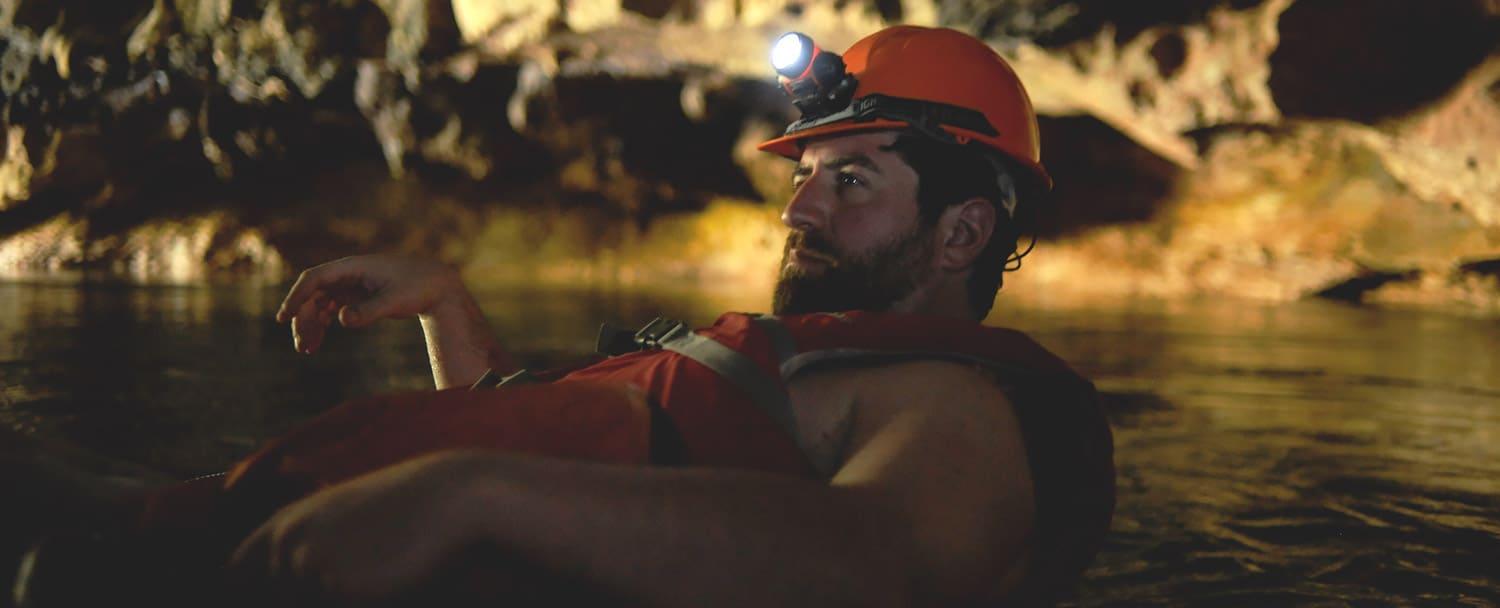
[(880, 210), (849, 225), (859, 228)]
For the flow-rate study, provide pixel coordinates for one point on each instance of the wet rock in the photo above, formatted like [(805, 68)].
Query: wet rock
[(1162, 82), (1463, 291), (1278, 213), (175, 251), (1265, 148)]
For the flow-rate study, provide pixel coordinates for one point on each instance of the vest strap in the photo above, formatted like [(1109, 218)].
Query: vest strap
[(782, 342), (740, 370)]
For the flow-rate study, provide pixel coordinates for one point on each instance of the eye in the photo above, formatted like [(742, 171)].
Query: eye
[(850, 179)]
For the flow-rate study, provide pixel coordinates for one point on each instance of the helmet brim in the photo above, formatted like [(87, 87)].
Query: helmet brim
[(790, 146)]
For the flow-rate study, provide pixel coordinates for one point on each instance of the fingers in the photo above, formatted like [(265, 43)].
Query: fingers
[(262, 572), (318, 279), (310, 323), (301, 290), (377, 307), (251, 560)]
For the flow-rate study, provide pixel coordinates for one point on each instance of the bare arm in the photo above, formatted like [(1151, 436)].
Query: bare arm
[(460, 345), (934, 503), (695, 537), (361, 290)]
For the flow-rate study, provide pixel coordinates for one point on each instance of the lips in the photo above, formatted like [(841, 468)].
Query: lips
[(802, 254)]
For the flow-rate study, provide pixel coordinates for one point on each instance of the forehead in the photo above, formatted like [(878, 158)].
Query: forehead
[(870, 145)]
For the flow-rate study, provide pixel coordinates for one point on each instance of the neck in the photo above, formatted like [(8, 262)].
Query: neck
[(941, 298)]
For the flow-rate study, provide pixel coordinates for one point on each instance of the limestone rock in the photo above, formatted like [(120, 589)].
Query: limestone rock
[(1165, 81), (161, 251), (1264, 148)]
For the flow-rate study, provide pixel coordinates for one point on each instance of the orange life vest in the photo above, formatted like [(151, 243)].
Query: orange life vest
[(722, 393)]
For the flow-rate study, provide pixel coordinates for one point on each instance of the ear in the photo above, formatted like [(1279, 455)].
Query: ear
[(964, 229)]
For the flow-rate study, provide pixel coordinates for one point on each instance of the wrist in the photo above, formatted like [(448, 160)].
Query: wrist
[(452, 298)]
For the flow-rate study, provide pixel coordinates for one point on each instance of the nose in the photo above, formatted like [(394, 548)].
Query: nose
[(808, 208)]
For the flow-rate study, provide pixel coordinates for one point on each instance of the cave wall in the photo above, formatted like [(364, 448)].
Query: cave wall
[(1263, 148)]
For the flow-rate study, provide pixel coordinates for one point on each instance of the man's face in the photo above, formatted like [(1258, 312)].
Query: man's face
[(856, 241)]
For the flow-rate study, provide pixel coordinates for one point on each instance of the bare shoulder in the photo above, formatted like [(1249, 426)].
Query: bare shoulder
[(942, 388), (954, 408), (942, 440), (837, 407)]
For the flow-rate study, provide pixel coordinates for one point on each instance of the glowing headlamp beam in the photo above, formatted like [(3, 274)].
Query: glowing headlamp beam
[(792, 54)]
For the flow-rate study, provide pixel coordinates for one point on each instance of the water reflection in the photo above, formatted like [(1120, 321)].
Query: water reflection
[(1268, 455), (1313, 453), (185, 378)]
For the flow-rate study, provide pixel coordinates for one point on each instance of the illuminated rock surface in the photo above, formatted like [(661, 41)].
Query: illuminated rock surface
[(1272, 149)]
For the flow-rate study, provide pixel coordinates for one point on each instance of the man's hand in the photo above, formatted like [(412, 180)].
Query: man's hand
[(361, 290), (364, 539)]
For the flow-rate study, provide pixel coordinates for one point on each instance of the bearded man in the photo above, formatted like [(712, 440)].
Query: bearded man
[(868, 444)]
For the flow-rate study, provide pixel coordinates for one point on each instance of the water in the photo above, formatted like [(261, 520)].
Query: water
[(1312, 454), (1269, 455)]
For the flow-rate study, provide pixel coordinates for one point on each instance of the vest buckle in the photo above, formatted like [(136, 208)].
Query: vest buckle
[(614, 341), (659, 331)]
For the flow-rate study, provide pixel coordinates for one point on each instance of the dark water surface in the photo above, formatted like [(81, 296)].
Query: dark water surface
[(1307, 454)]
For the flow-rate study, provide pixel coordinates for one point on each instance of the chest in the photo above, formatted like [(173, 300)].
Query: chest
[(824, 404)]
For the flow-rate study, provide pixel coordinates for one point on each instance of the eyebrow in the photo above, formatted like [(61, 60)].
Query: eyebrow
[(857, 160)]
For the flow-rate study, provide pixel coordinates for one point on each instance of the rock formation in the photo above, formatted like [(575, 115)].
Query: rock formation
[(1272, 149)]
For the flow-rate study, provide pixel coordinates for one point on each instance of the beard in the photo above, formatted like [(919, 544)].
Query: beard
[(872, 280)]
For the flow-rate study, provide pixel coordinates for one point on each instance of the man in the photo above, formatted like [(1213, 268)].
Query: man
[(929, 496), (903, 455)]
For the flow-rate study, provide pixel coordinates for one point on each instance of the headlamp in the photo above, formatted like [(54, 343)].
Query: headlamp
[(792, 54), (815, 79)]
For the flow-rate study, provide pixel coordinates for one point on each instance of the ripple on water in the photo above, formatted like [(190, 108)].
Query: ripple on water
[(1302, 454), (1286, 507)]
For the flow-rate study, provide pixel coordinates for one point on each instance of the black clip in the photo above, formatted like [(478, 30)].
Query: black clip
[(616, 341), (659, 330)]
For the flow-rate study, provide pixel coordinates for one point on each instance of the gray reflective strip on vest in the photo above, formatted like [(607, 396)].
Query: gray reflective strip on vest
[(781, 340), (767, 393)]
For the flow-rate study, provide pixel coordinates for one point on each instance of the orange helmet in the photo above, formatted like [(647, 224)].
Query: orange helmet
[(938, 81)]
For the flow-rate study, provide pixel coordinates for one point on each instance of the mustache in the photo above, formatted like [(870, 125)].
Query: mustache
[(812, 243)]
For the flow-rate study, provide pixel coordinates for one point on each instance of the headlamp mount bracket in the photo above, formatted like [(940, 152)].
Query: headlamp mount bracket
[(925, 117)]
